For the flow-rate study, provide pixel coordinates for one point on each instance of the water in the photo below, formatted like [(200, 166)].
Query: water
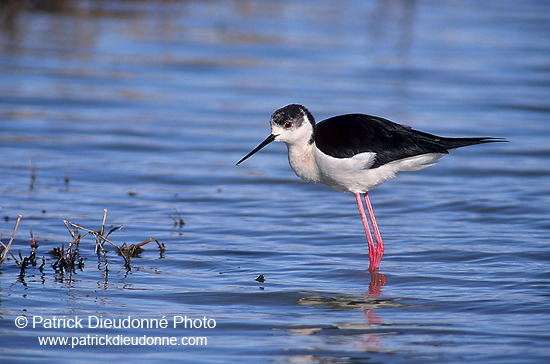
[(142, 108)]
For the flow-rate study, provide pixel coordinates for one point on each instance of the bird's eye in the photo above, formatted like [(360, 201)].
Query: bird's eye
[(288, 125)]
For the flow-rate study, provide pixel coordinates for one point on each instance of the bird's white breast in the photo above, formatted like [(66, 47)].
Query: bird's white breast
[(302, 161)]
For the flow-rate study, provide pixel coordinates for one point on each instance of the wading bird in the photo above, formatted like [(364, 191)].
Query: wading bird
[(355, 153)]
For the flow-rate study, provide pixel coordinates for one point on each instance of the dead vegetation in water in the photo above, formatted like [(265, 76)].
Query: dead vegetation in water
[(178, 221), (67, 260), (22, 262)]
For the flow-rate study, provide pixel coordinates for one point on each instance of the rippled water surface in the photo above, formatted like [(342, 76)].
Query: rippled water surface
[(142, 108)]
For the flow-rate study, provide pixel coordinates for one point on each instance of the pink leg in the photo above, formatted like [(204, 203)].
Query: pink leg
[(375, 251), (378, 236), (372, 252)]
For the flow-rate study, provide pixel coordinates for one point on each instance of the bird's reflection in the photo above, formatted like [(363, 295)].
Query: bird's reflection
[(367, 332), (371, 342), (377, 281)]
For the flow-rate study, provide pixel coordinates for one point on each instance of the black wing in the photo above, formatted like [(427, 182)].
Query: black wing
[(347, 135)]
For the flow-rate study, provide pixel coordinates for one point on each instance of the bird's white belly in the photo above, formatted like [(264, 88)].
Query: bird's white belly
[(349, 174), (355, 175)]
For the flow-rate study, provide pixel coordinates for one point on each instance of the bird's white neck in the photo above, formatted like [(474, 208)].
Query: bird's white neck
[(302, 160)]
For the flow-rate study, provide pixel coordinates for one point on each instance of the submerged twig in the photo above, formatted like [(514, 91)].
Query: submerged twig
[(136, 249), (68, 260), (129, 251), (100, 238), (66, 179), (30, 259), (178, 222), (7, 248), (33, 175), (34, 244)]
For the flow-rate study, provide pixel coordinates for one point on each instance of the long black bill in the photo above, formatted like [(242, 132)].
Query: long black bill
[(267, 140)]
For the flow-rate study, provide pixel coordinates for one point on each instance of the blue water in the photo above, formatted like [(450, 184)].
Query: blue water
[(143, 108)]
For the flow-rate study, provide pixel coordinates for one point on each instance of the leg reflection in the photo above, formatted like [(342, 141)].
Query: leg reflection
[(377, 281)]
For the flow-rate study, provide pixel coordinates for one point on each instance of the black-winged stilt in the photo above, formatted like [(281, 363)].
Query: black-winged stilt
[(355, 153)]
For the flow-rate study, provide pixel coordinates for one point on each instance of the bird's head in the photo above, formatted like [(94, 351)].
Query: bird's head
[(290, 124)]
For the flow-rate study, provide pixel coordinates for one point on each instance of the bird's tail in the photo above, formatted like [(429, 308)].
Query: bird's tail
[(453, 143)]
